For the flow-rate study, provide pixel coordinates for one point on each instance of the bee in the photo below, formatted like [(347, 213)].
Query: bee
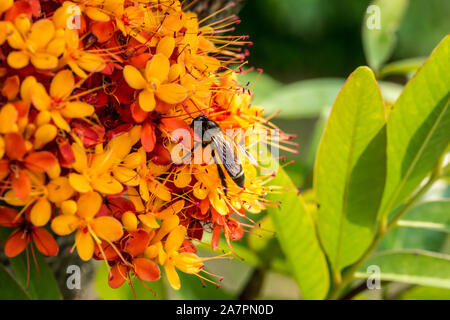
[(223, 150)]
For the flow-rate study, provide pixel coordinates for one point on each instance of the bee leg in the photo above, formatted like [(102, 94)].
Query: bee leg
[(221, 174)]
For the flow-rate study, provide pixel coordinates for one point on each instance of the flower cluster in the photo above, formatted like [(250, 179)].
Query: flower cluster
[(92, 94)]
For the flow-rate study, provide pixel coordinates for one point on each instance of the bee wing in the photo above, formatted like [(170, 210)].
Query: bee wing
[(242, 150), (227, 156)]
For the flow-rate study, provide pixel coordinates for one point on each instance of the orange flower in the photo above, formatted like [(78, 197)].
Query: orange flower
[(20, 162), (90, 228), (25, 234), (156, 81), (132, 247)]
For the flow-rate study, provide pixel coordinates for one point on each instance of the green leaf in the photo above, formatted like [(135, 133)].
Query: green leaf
[(42, 286), (413, 238), (10, 289), (125, 292), (297, 237), (411, 266), (379, 29), (434, 215), (402, 67), (418, 128), (350, 169), (303, 99), (425, 293)]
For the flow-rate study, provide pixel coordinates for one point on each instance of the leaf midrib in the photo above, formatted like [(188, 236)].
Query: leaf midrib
[(415, 160), (347, 185)]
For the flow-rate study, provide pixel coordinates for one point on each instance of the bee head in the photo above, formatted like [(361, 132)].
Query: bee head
[(208, 127)]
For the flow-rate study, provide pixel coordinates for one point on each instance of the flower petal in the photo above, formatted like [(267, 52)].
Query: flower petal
[(89, 204), (15, 146), (107, 228), (44, 134), (44, 242), (167, 226), (77, 109), (18, 59), (172, 276), (95, 14), (8, 118), (59, 121), (107, 184), (62, 85), (137, 242), (158, 67), (8, 217), (44, 61), (148, 137), (85, 245), (175, 239), (16, 243), (146, 269), (134, 78), (79, 182), (91, 62), (59, 190), (166, 46), (21, 185), (41, 212), (40, 161), (39, 96), (64, 225), (171, 93), (147, 100), (41, 33), (117, 275)]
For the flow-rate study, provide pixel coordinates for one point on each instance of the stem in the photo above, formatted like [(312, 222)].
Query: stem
[(383, 229), (254, 285)]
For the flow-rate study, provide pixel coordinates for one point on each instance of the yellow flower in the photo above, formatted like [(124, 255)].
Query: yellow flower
[(89, 227), (155, 82), (186, 262), (38, 43), (70, 9), (79, 60), (136, 171), (58, 104), (94, 170)]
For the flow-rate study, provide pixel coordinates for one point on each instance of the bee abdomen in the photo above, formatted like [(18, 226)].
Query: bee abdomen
[(239, 179)]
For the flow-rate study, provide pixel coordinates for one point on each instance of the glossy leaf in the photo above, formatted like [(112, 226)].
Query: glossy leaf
[(380, 25), (402, 67), (410, 266), (425, 293), (125, 292), (42, 286), (10, 289), (418, 128), (298, 240), (350, 169), (434, 215)]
